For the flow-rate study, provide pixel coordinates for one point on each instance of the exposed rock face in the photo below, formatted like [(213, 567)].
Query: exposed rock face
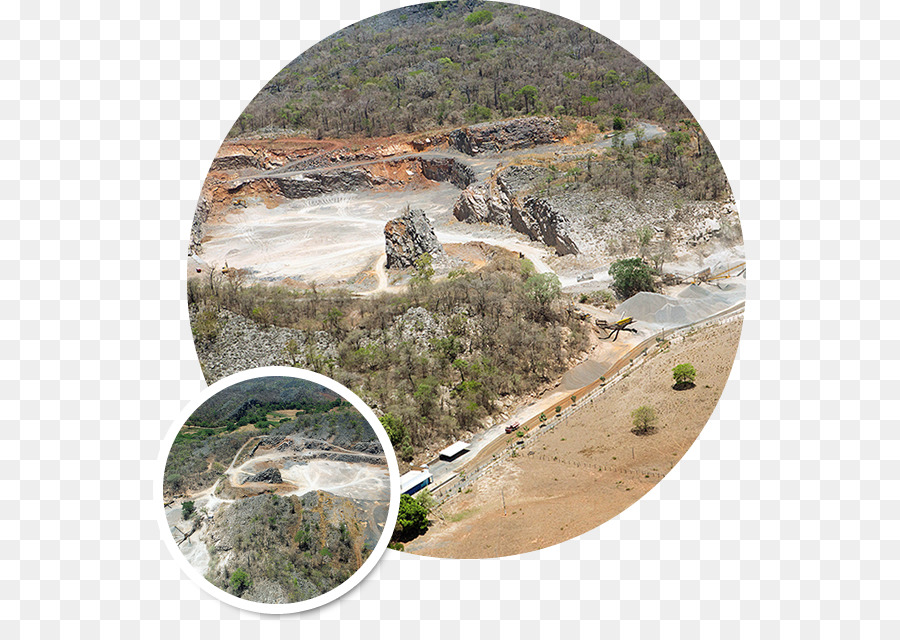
[(488, 201), (368, 447), (321, 182), (200, 216), (511, 134), (494, 202), (369, 452), (270, 476), (545, 223), (310, 184), (447, 170), (408, 237), (232, 162)]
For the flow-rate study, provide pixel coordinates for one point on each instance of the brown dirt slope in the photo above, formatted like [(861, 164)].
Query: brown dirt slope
[(590, 468)]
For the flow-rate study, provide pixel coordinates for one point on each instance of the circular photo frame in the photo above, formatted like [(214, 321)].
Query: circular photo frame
[(375, 553), (508, 235)]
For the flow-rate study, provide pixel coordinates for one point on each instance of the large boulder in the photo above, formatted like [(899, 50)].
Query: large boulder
[(409, 236)]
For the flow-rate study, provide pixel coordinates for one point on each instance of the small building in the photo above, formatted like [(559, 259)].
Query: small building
[(415, 480), (454, 450)]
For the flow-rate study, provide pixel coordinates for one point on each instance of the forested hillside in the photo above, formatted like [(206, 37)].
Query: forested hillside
[(449, 63), (436, 359), (243, 402), (200, 455)]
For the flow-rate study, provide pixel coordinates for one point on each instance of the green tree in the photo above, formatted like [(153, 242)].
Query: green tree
[(479, 17), (424, 270), (240, 581), (629, 276), (303, 538), (684, 375), (394, 428), (543, 288), (529, 95), (425, 500), (333, 320), (406, 449), (638, 137), (679, 139), (187, 509), (644, 420), (611, 78), (205, 326), (478, 113), (412, 519)]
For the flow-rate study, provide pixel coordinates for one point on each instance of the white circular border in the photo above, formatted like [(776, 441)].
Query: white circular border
[(371, 561)]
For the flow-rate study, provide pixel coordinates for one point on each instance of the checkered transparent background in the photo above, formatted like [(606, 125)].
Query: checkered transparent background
[(782, 520)]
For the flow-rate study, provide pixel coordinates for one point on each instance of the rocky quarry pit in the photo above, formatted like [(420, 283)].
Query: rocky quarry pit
[(304, 210), (313, 507)]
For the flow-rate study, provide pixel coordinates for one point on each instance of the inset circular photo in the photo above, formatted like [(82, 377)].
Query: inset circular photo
[(508, 235), (279, 490)]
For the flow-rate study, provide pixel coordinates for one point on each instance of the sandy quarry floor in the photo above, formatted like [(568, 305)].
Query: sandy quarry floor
[(582, 473), (333, 238)]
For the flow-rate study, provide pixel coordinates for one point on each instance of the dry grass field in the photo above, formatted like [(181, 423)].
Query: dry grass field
[(591, 467)]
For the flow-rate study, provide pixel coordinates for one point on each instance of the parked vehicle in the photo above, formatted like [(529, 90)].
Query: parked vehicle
[(513, 427)]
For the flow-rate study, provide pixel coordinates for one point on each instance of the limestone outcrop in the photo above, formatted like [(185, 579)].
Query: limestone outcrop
[(270, 476), (409, 236), (494, 202), (307, 185), (509, 134), (447, 170), (234, 162)]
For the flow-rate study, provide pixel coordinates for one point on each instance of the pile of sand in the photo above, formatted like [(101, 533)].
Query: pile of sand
[(692, 304)]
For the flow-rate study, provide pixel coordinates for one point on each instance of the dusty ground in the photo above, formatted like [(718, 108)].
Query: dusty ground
[(592, 467)]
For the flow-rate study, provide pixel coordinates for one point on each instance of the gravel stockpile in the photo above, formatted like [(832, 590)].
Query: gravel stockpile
[(693, 304)]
